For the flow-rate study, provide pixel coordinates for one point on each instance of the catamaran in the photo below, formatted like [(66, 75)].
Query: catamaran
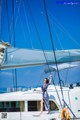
[(25, 105), (22, 105)]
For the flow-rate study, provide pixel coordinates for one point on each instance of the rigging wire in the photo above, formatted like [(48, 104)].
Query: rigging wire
[(13, 23), (27, 24), (15, 71), (41, 45), (9, 37), (69, 55), (11, 26), (38, 34), (18, 10), (0, 18), (57, 36), (53, 50), (61, 27), (8, 22), (24, 33)]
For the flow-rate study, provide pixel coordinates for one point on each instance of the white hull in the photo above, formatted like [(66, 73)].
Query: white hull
[(31, 116), (71, 97)]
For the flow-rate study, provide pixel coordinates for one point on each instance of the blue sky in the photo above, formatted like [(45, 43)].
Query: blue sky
[(65, 28)]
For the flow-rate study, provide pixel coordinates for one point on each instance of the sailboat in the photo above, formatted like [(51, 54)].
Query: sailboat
[(25, 105)]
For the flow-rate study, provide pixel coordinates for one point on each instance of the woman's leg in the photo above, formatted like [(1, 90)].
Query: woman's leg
[(41, 106), (47, 106)]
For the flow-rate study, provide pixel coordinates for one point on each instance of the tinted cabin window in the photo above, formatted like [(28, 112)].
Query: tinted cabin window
[(12, 106), (35, 106), (53, 106)]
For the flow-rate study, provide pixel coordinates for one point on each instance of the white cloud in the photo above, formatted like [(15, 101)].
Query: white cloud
[(6, 73)]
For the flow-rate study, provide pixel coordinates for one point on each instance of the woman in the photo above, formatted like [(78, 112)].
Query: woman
[(45, 97)]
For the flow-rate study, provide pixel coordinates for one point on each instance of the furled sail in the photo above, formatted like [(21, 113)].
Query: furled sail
[(18, 58), (61, 66)]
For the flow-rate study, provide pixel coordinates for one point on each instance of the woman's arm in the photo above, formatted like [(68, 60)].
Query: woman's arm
[(50, 79)]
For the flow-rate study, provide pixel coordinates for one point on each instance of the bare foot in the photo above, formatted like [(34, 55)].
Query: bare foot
[(40, 113), (48, 111)]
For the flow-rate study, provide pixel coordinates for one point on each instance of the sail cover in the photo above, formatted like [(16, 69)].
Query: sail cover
[(18, 58)]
